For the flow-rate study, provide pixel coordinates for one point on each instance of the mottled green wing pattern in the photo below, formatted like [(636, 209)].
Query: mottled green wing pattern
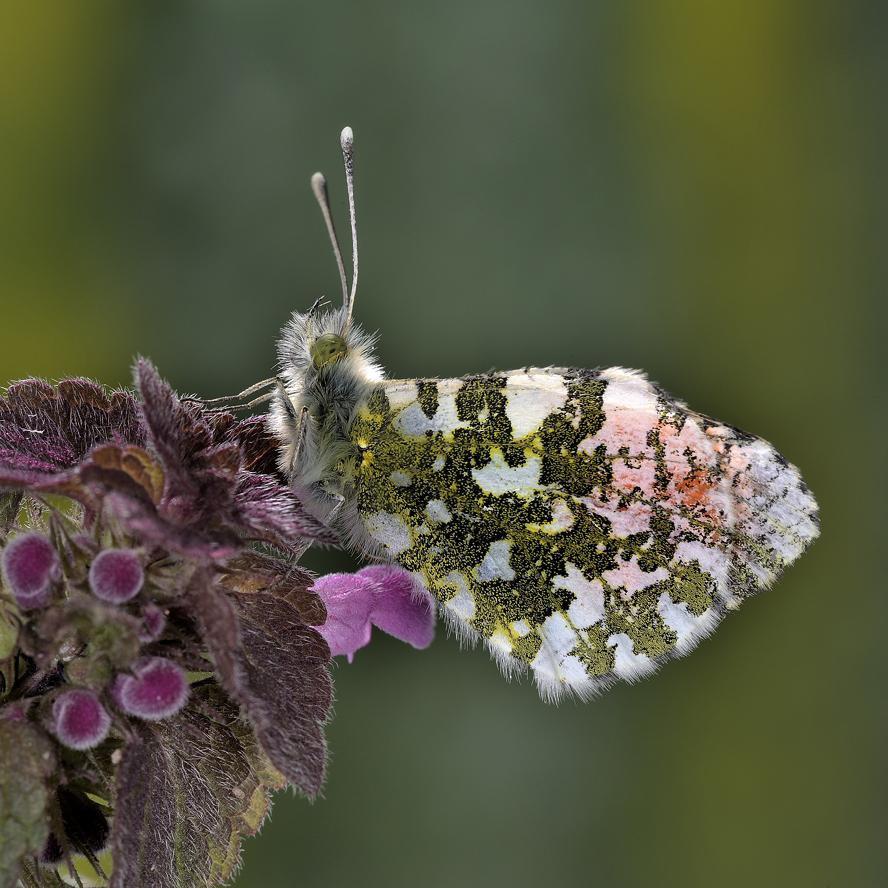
[(583, 523)]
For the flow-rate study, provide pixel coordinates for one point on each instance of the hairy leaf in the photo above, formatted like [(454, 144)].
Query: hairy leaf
[(253, 571), (26, 757), (44, 430), (10, 500), (187, 790), (275, 667), (209, 495), (258, 444), (287, 667)]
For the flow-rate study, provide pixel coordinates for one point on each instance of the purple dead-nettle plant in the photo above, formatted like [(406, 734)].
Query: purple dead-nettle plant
[(163, 659)]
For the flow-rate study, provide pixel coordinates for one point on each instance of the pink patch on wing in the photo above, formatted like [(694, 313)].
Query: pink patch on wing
[(623, 428), (631, 578), (694, 482), (634, 518), (633, 473)]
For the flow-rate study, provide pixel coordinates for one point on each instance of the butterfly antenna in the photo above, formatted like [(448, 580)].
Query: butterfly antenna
[(319, 187), (347, 141)]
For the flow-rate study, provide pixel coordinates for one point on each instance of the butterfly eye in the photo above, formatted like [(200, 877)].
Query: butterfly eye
[(327, 348)]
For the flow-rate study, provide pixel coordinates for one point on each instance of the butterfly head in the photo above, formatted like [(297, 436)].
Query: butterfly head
[(320, 349), (326, 349), (326, 363)]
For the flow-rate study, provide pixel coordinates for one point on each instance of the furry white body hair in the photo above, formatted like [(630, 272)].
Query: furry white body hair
[(313, 410)]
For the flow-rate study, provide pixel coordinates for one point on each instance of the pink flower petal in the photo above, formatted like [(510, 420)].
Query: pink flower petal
[(403, 608), (349, 600), (384, 596)]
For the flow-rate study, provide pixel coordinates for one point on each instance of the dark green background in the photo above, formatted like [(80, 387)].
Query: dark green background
[(695, 188)]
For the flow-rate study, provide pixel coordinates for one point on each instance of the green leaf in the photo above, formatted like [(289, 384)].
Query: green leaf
[(26, 757), (10, 500), (8, 632)]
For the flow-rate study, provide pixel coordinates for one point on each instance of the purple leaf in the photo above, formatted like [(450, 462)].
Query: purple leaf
[(209, 493), (175, 431), (286, 668), (275, 667), (44, 431), (192, 539), (259, 445), (271, 512), (253, 571), (187, 789)]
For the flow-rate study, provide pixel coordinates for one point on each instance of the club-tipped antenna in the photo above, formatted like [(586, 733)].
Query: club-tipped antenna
[(319, 187), (347, 141)]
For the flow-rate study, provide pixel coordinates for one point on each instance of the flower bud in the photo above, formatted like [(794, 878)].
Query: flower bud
[(156, 689), (30, 565), (116, 575), (80, 720)]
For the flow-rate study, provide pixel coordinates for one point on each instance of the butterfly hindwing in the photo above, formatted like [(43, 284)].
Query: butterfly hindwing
[(584, 523)]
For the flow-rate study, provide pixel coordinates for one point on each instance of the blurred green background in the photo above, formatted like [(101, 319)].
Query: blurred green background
[(695, 188)]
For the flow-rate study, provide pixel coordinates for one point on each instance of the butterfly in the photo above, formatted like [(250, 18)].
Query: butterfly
[(583, 523)]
